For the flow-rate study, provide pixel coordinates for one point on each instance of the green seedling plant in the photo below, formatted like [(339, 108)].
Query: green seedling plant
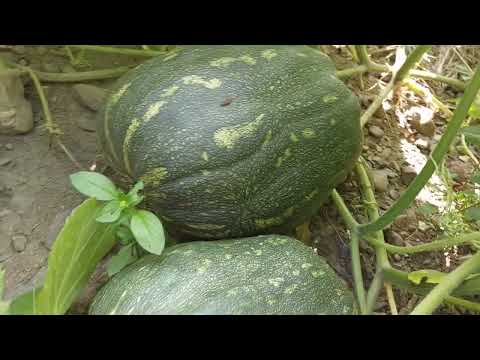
[(134, 226)]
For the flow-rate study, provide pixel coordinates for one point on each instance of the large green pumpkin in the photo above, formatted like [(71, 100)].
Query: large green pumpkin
[(233, 141), (268, 274)]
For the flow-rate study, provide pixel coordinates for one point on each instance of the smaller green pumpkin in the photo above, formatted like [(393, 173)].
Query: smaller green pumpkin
[(268, 274)]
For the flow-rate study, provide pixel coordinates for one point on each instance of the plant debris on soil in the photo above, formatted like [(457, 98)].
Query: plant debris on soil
[(36, 195)]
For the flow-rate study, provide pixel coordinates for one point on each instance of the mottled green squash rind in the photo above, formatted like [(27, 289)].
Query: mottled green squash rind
[(289, 133), (268, 274)]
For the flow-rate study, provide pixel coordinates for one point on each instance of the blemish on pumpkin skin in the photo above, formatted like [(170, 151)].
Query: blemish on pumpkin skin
[(301, 55), (228, 256), (198, 80), (269, 54), (306, 266), (258, 252), (268, 137), (294, 137), (296, 272), (205, 156), (135, 124), (227, 137), (154, 177)]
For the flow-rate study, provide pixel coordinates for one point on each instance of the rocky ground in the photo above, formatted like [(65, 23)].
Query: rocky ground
[(36, 196)]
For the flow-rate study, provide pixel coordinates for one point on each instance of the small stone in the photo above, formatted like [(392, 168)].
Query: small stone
[(90, 96), (86, 123), (19, 242), (5, 161), (380, 180), (422, 144), (408, 174), (376, 131), (464, 158), (397, 257), (423, 226), (394, 238), (9, 146), (422, 120), (365, 147), (394, 194), (437, 137)]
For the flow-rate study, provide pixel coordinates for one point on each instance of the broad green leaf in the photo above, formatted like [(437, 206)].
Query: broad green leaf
[(94, 185), (133, 198), (472, 134), (25, 304), (429, 276), (472, 214), (110, 213), (123, 258), (81, 244), (427, 209), (4, 305), (148, 231), (138, 186)]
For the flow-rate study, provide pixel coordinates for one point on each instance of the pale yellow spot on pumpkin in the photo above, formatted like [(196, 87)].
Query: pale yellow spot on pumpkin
[(281, 159), (170, 91), (154, 177), (258, 252), (205, 172), (333, 122), (171, 56), (276, 281), (231, 292), (294, 137), (264, 223), (311, 195), (327, 99), (289, 290), (135, 124), (206, 226), (227, 61), (227, 137), (153, 110), (271, 87), (317, 274), (296, 272), (269, 54), (205, 156), (228, 256), (306, 266), (198, 80), (268, 137), (116, 96), (271, 302), (308, 133), (301, 55)]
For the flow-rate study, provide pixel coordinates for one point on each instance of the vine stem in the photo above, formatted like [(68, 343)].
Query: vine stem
[(447, 284), (381, 253), (357, 273), (432, 246), (411, 61), (436, 158), (121, 51)]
